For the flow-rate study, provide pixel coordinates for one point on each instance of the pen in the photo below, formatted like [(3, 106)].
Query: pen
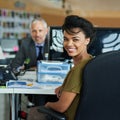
[(30, 84)]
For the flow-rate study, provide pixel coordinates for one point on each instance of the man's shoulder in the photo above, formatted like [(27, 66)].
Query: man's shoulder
[(27, 41)]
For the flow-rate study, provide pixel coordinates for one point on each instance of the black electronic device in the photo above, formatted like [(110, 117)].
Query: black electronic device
[(5, 75), (56, 51), (106, 39)]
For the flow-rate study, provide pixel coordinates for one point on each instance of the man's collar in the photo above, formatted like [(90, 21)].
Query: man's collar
[(41, 44)]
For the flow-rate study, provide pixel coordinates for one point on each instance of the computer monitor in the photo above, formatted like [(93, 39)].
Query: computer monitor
[(57, 51), (106, 39), (9, 45)]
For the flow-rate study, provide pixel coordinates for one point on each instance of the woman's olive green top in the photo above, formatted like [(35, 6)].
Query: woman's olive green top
[(73, 83)]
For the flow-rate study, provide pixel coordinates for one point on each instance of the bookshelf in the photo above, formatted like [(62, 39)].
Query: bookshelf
[(15, 24)]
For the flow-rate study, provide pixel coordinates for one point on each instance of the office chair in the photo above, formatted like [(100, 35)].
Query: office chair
[(100, 93)]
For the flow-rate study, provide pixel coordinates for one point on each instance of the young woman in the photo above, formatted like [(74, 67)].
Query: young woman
[(78, 33)]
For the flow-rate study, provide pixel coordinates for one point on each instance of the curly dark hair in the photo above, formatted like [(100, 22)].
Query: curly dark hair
[(74, 21)]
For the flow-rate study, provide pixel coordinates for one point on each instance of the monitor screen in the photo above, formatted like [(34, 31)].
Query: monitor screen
[(106, 39), (57, 51), (9, 45)]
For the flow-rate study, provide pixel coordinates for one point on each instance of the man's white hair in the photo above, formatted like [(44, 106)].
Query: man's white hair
[(39, 19)]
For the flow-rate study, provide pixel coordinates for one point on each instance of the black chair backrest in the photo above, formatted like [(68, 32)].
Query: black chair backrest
[(100, 95)]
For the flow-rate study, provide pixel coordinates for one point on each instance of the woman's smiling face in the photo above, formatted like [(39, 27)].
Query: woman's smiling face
[(75, 44)]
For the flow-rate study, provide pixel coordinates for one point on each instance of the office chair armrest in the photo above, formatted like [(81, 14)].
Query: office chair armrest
[(52, 113)]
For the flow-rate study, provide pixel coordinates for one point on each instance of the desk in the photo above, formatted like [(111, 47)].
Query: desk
[(16, 91), (8, 91), (33, 91)]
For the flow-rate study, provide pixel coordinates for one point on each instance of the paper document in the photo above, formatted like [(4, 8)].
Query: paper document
[(30, 85), (21, 84)]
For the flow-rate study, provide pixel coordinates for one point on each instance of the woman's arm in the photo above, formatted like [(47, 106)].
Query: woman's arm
[(63, 103), (58, 91)]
